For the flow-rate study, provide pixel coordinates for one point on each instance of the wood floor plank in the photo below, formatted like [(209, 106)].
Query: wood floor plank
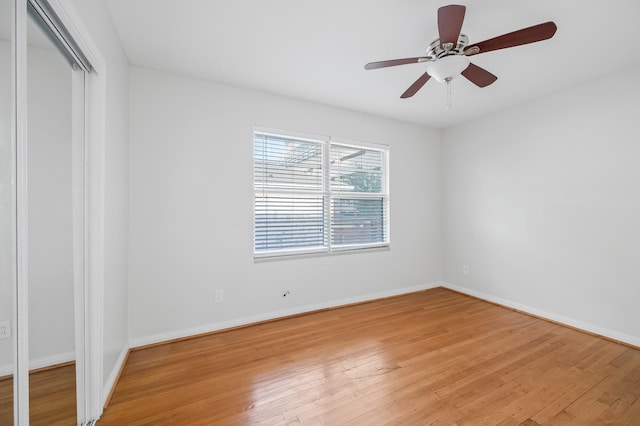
[(432, 357), (52, 397)]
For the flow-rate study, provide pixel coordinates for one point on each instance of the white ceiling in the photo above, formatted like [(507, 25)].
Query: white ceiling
[(316, 50)]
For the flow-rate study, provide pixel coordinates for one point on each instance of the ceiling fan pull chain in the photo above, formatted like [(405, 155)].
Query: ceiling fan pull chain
[(448, 93)]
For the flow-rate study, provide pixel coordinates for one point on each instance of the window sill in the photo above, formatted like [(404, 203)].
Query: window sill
[(337, 252)]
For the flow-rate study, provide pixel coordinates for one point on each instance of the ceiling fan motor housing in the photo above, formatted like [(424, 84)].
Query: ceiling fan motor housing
[(437, 52)]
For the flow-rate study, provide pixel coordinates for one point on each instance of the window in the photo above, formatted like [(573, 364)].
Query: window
[(314, 195)]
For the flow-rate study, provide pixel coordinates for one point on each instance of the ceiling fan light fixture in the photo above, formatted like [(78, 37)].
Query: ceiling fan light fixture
[(447, 68)]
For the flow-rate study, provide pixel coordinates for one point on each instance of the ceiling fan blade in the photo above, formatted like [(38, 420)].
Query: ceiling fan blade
[(413, 89), (517, 38), (450, 20), (479, 76), (394, 62)]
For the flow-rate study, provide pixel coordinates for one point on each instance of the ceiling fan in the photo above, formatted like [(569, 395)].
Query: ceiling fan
[(447, 56)]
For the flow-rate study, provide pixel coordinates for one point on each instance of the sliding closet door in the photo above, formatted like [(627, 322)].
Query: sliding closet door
[(52, 352), (7, 219), (45, 244)]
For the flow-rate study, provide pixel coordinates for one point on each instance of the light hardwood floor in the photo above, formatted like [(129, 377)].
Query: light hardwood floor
[(52, 397), (433, 357)]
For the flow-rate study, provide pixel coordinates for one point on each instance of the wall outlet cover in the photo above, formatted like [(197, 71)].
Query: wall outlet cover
[(5, 329)]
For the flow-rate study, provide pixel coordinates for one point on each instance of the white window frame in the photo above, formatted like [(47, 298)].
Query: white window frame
[(328, 195)]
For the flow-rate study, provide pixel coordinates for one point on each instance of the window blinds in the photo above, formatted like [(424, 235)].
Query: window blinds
[(312, 195), (289, 194)]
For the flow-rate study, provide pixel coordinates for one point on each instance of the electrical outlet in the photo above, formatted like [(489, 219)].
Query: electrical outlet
[(465, 269), (5, 329), (219, 296)]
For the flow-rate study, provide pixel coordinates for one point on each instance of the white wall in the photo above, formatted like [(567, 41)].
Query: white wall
[(96, 19), (192, 200), (542, 202)]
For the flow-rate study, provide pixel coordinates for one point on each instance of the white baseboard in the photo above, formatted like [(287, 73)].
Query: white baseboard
[(591, 328), (113, 376), (35, 364), (177, 334)]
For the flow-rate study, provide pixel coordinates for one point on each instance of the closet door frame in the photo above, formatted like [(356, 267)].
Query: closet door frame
[(88, 143)]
